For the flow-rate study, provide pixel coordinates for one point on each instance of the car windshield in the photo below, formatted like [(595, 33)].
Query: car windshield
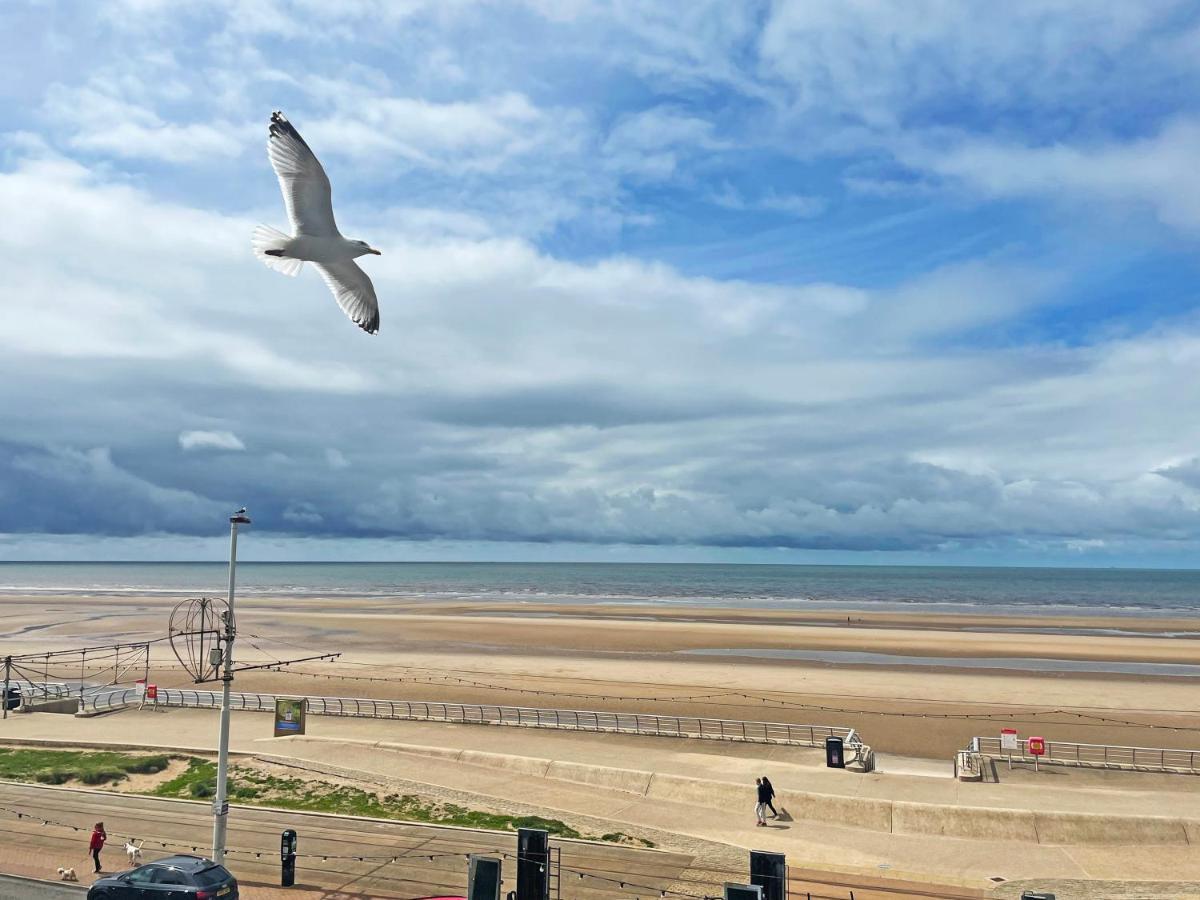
[(213, 875), (143, 875)]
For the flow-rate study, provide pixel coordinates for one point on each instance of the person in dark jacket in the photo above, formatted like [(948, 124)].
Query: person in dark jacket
[(760, 808), (96, 844), (766, 782)]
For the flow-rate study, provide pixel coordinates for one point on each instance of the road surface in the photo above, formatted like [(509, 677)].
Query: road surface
[(14, 888), (329, 846)]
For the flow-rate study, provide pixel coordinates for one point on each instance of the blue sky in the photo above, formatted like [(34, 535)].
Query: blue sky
[(792, 281)]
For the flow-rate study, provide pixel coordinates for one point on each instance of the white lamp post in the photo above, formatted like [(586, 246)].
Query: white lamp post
[(221, 800)]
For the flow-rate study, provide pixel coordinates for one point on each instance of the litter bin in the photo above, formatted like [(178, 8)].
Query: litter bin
[(834, 758), (12, 697)]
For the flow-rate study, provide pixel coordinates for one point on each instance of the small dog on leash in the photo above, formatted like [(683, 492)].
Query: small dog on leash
[(67, 875), (134, 852)]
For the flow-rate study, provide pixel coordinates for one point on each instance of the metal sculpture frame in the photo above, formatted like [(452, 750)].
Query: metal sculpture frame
[(199, 626)]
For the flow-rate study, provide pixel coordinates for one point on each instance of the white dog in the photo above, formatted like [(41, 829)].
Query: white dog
[(134, 852), (67, 875)]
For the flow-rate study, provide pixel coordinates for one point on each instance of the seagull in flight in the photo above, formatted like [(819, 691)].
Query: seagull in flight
[(315, 237)]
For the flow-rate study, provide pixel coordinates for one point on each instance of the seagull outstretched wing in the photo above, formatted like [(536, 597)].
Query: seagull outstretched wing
[(305, 185), (354, 293)]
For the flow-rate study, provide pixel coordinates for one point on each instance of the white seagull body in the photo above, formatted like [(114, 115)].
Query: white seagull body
[(315, 237)]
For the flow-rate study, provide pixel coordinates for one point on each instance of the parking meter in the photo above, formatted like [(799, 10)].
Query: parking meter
[(287, 855)]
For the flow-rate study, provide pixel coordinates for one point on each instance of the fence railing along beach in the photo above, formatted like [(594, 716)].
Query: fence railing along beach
[(1069, 753), (492, 714), (44, 690)]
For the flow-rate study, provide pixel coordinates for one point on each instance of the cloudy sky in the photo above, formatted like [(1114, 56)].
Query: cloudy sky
[(855, 281)]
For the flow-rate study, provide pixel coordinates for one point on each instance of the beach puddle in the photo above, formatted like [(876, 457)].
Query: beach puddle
[(1018, 663)]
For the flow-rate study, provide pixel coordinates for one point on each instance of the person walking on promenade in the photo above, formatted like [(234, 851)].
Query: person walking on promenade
[(770, 796), (760, 808), (96, 844)]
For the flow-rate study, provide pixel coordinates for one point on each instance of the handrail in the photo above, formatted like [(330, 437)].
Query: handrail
[(1071, 753), (492, 714), (1023, 741), (60, 687), (44, 689)]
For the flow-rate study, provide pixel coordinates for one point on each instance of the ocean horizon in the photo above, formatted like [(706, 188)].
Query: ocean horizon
[(1000, 590)]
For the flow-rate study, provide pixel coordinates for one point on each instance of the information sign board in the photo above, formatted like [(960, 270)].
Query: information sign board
[(290, 714)]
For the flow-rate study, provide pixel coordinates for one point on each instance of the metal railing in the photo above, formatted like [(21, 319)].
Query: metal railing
[(490, 714), (1068, 753), (43, 690)]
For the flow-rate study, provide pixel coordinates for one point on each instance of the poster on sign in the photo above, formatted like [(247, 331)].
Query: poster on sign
[(289, 716), (1008, 740)]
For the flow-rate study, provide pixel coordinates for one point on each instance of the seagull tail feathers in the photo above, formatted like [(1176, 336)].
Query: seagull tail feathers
[(269, 243)]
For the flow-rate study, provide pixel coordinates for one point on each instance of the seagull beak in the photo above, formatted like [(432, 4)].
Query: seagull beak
[(376, 252)]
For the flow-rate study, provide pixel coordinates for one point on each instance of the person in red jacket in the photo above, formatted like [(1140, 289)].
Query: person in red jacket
[(99, 836)]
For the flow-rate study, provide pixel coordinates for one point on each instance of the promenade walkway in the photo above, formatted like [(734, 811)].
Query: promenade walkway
[(828, 845)]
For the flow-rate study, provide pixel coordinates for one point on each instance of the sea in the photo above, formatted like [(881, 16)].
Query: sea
[(1014, 591)]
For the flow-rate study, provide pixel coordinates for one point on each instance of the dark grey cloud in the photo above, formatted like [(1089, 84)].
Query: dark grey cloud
[(599, 405), (68, 491)]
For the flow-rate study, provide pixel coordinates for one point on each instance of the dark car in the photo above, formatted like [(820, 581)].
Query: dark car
[(180, 877)]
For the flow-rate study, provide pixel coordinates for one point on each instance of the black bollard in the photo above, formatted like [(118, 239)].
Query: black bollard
[(483, 877), (769, 872), (533, 864), (742, 891), (287, 856)]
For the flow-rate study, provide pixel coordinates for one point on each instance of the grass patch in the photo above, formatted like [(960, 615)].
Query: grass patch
[(256, 788), (197, 782), (620, 837), (93, 767), (249, 786)]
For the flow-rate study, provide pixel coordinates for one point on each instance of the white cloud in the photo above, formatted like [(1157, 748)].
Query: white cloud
[(210, 440), (802, 206), (145, 281), (480, 135), (1156, 172), (884, 62), (99, 121), (1059, 100)]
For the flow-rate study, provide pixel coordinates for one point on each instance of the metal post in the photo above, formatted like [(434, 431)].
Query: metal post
[(221, 801), (7, 674), (145, 677)]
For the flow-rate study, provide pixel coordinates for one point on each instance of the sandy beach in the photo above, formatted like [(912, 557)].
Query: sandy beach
[(922, 695)]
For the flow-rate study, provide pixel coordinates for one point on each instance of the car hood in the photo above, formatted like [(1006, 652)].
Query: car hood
[(110, 879)]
